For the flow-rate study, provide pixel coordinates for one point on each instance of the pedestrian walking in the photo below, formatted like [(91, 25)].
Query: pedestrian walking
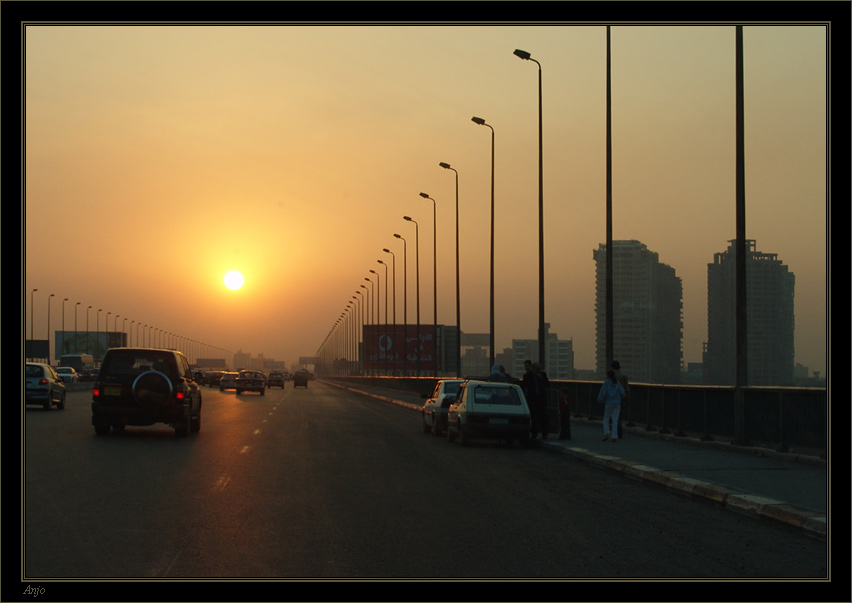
[(625, 403), (611, 394)]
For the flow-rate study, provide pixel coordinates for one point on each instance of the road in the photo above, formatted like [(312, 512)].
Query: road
[(324, 483)]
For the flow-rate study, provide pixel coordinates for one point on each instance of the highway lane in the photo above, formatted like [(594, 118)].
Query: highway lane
[(324, 483)]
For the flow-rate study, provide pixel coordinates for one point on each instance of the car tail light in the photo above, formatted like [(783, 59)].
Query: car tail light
[(96, 389), (42, 381)]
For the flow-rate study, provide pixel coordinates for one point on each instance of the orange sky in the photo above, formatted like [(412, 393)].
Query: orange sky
[(158, 158)]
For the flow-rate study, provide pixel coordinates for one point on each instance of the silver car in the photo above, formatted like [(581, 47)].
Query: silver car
[(43, 386), (67, 374), (437, 404)]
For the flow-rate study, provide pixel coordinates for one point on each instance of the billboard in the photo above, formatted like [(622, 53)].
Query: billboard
[(396, 347), (88, 342)]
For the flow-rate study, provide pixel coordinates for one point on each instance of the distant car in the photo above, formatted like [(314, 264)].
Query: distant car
[(250, 381), (144, 386), (42, 385), (489, 410), (228, 380), (212, 378), (275, 380), (67, 374), (301, 377), (437, 404)]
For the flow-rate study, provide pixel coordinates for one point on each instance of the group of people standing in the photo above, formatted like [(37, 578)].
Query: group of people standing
[(535, 384), (614, 392)]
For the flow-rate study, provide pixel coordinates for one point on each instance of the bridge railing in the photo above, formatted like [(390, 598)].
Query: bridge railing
[(781, 418)]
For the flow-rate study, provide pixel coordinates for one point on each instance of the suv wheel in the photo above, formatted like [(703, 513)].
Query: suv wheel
[(102, 430)]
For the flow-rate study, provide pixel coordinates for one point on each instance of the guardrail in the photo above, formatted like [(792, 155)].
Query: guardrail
[(781, 418)]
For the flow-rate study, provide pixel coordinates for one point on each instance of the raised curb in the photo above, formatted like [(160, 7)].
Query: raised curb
[(811, 523)]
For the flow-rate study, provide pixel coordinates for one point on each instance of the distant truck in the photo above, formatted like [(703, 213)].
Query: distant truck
[(84, 364)]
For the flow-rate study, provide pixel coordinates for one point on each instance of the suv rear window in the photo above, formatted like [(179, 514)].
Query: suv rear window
[(120, 365), (497, 395)]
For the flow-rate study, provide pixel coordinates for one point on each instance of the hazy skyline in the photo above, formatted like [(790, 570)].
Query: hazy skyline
[(160, 157)]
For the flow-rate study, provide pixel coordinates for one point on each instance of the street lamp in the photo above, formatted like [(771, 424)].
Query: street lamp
[(97, 331), (62, 351), (88, 337), (417, 271), (447, 166), (526, 56), (75, 326), (385, 330), (373, 293), (404, 301), (434, 270), (48, 327), (394, 281), (481, 122), (32, 313)]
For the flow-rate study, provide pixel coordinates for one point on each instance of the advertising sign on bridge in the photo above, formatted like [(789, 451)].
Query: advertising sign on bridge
[(396, 347)]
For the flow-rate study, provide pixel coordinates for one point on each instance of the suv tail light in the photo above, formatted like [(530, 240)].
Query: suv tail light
[(96, 389)]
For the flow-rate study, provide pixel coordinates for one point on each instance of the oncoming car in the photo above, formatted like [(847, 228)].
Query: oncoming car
[(437, 404), (489, 410), (143, 386)]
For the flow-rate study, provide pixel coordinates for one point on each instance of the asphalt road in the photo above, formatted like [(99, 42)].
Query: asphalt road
[(322, 483)]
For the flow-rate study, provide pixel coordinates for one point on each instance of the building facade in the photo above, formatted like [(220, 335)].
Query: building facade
[(559, 355), (647, 314), (770, 288)]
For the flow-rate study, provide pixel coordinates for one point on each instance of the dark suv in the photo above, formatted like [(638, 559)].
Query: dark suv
[(143, 386)]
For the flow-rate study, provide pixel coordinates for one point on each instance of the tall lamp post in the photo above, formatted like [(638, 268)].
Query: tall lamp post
[(404, 300), (62, 351), (385, 330), (88, 337), (396, 339), (48, 328), (526, 56), (481, 122), (75, 326), (32, 313), (417, 264), (434, 272), (447, 166)]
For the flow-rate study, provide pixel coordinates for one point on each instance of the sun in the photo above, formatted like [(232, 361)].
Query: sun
[(234, 280)]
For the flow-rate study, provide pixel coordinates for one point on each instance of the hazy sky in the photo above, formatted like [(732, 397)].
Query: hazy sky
[(160, 157)]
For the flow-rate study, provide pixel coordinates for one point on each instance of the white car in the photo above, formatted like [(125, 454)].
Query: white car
[(228, 381), (489, 410), (67, 374), (437, 404)]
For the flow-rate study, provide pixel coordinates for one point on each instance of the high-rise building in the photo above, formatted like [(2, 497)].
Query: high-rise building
[(769, 309), (647, 314), (559, 355)]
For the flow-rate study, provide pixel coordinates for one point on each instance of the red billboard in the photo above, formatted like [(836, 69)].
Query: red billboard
[(395, 347)]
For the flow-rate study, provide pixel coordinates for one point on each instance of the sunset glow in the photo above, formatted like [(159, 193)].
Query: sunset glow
[(158, 157)]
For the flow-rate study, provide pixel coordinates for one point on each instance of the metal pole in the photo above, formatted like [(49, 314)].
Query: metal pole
[(741, 298), (609, 255)]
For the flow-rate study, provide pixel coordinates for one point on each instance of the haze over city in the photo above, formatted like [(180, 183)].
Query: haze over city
[(160, 157)]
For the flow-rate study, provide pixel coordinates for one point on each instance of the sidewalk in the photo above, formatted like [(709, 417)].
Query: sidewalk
[(786, 488)]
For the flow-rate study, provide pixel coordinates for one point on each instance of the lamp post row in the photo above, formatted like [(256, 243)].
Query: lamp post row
[(522, 54), (165, 337)]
